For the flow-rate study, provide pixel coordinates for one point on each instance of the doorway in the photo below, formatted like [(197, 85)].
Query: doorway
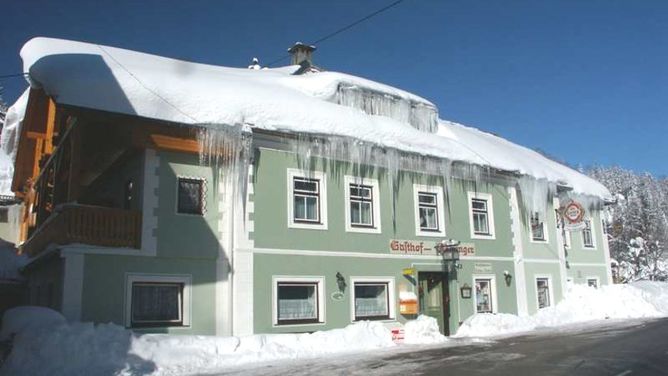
[(434, 298)]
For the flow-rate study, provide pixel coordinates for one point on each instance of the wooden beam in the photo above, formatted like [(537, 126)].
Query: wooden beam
[(74, 184), (171, 143), (50, 125)]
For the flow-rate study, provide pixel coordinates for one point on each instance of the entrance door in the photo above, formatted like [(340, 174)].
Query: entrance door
[(434, 299)]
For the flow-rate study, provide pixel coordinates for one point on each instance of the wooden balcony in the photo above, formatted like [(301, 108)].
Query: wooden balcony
[(82, 224)]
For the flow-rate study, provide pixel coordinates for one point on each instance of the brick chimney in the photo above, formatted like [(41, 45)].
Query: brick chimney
[(301, 53)]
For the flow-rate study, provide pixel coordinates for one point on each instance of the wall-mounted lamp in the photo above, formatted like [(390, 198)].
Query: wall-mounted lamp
[(507, 277), (341, 282)]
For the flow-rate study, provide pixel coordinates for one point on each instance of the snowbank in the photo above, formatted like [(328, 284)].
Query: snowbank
[(118, 80), (20, 319), (582, 303), (60, 348), (423, 330)]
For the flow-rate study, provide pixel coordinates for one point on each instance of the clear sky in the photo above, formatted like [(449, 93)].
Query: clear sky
[(583, 80)]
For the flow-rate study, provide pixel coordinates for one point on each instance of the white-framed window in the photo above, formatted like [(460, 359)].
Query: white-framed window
[(593, 282), (538, 228), (429, 210), (481, 215), (298, 300), (544, 294), (307, 199), (190, 195), (372, 298), (157, 300), (362, 205), (484, 294), (588, 234)]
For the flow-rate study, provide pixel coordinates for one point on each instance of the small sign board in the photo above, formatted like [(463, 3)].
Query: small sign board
[(482, 267), (408, 271), (573, 214)]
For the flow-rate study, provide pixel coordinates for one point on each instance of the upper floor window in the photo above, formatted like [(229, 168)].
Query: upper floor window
[(190, 198), (538, 232), (429, 218), (587, 234), (307, 201), (362, 205), (481, 215)]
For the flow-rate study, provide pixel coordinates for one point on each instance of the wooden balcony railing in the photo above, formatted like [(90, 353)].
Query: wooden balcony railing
[(83, 224)]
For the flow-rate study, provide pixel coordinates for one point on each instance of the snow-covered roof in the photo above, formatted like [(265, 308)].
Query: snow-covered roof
[(136, 83)]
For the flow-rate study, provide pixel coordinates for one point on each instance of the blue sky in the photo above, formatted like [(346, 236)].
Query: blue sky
[(584, 81)]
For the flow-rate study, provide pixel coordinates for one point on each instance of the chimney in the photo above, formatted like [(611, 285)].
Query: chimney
[(301, 53)]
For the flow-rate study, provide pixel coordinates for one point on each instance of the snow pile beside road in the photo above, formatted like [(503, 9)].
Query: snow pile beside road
[(423, 330), (582, 303), (46, 345)]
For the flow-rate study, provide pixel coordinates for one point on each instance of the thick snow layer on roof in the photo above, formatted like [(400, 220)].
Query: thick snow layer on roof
[(135, 83)]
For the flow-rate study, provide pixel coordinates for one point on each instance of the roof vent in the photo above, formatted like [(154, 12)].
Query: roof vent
[(301, 53)]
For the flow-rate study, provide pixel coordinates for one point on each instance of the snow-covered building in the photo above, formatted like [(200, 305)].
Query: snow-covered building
[(179, 197)]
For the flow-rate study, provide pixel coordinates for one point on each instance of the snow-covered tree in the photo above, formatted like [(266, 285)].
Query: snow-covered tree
[(638, 223)]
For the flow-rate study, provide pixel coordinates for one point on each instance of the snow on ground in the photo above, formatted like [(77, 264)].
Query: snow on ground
[(582, 304), (54, 347)]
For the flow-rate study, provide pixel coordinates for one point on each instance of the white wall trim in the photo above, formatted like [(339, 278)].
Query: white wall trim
[(595, 264), (561, 252), (73, 278), (391, 292), (322, 199), (375, 203), (541, 261), (440, 210), (490, 214), (606, 255), (186, 279), (150, 186), (518, 253), (319, 280)]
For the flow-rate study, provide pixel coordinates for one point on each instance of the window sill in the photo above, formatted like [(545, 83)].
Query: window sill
[(484, 237), (307, 226)]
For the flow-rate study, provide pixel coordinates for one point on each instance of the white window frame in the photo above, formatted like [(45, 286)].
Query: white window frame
[(185, 279), (322, 199), (490, 214), (203, 196), (593, 278), (492, 278), (375, 203), (550, 287), (440, 210), (593, 234), (391, 295), (546, 235), (319, 280)]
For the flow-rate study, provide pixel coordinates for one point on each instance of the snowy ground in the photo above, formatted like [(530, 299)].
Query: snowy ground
[(46, 345)]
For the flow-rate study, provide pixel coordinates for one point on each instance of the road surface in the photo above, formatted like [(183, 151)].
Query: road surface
[(618, 349)]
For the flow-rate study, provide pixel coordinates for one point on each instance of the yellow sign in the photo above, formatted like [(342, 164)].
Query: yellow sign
[(408, 271)]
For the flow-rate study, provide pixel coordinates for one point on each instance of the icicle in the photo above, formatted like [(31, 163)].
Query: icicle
[(536, 194), (421, 116)]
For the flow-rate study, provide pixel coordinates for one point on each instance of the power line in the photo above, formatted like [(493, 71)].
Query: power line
[(345, 28)]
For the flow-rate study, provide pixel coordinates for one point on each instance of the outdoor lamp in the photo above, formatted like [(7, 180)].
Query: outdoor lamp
[(507, 277), (341, 282)]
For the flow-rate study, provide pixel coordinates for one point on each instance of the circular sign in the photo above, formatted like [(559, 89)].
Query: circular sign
[(574, 212)]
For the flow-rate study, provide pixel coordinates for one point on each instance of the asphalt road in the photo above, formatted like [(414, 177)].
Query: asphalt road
[(618, 349)]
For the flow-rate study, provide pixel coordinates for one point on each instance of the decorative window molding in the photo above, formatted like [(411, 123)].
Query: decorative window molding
[(481, 214), (428, 199), (544, 291), (484, 293), (593, 281), (538, 229), (182, 285), (310, 188), (588, 234), (183, 200), (366, 285), (366, 193), (310, 310)]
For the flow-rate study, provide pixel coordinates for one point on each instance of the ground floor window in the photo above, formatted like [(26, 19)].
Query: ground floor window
[(157, 301), (484, 295), (371, 301), (592, 282), (298, 301), (543, 292)]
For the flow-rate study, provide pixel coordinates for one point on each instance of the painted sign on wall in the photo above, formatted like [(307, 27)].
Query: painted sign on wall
[(422, 248)]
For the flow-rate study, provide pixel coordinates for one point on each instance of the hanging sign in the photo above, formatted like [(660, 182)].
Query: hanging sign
[(573, 214), (420, 248)]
